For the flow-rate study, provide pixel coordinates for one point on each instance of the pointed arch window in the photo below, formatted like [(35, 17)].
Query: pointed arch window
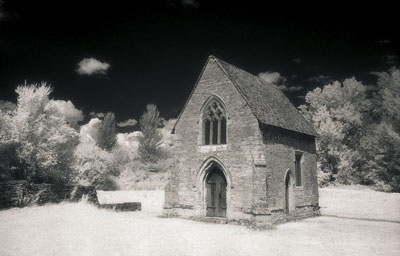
[(214, 123), (297, 164)]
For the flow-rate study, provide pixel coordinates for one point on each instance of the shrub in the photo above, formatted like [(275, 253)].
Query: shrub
[(139, 176), (94, 166)]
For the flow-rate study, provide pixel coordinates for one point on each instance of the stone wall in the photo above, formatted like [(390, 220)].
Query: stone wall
[(151, 201), (17, 193), (184, 192), (280, 147)]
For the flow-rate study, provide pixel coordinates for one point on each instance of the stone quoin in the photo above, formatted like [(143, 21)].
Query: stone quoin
[(245, 153)]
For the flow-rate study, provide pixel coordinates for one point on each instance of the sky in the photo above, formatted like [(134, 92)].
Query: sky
[(118, 56)]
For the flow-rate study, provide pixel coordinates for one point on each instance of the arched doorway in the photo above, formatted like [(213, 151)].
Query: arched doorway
[(215, 193), (288, 193)]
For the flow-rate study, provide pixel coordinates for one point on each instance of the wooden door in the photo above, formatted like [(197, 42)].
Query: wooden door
[(216, 195)]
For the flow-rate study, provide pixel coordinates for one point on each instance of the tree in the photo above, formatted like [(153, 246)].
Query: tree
[(46, 142), (151, 138), (337, 113), (94, 165), (10, 166), (5, 125), (358, 132), (381, 145), (389, 97), (107, 137)]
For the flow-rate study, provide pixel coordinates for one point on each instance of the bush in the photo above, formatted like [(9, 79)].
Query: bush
[(10, 165), (324, 179), (108, 183), (146, 176), (94, 166)]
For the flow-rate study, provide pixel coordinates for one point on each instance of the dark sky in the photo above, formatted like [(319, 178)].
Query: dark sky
[(156, 49)]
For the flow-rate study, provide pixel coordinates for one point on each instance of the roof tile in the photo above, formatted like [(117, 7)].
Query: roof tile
[(267, 101)]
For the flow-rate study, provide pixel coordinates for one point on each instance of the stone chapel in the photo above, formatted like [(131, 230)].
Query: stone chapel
[(245, 153)]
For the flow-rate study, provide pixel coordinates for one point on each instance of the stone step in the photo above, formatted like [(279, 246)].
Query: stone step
[(218, 220)]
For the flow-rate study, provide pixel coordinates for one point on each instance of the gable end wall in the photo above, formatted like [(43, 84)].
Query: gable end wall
[(243, 135)]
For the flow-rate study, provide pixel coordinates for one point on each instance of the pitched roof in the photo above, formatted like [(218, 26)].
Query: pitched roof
[(267, 102)]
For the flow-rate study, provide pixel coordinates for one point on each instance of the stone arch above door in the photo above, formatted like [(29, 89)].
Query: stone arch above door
[(207, 164)]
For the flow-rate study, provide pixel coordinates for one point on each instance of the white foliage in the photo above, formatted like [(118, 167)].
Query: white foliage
[(92, 163), (47, 141)]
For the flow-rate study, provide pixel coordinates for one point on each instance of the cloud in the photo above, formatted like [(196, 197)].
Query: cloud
[(286, 88), (283, 87), (379, 74), (182, 3), (190, 3), (297, 60), (272, 77), (385, 41), (6, 15), (166, 132), (67, 111), (295, 88), (7, 106), (3, 13), (129, 122), (95, 114), (129, 140), (376, 73), (278, 80), (390, 59), (90, 132), (321, 79), (91, 66)]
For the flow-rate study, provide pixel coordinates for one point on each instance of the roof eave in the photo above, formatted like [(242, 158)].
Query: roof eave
[(314, 135)]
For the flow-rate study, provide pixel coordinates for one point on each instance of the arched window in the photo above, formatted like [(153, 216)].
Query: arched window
[(214, 123), (297, 168)]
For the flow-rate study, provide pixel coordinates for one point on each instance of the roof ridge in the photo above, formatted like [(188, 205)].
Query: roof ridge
[(299, 124), (267, 102)]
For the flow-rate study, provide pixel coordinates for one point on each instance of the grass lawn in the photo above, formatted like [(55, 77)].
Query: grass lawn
[(81, 229)]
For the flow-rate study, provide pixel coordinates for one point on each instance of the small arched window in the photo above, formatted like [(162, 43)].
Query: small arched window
[(214, 123)]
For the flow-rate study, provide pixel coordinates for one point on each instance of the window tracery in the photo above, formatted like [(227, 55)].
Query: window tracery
[(214, 123)]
